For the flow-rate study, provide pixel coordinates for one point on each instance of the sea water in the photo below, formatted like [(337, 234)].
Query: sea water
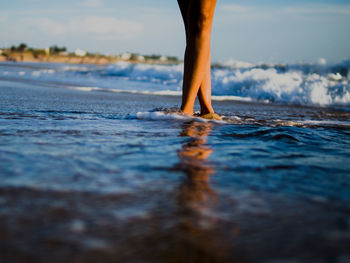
[(96, 158), (318, 84)]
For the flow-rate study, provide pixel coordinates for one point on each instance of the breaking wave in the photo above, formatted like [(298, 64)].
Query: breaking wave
[(318, 83)]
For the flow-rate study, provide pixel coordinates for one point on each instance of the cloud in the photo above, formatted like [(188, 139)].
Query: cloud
[(3, 18), (92, 3), (99, 25), (91, 26), (319, 9), (303, 9), (234, 8), (46, 25)]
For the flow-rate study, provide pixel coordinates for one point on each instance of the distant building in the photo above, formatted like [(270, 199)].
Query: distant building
[(163, 58), (47, 51), (0, 51), (125, 56), (64, 53), (80, 53), (140, 58)]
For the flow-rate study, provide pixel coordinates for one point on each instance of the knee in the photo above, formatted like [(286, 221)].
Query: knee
[(201, 22)]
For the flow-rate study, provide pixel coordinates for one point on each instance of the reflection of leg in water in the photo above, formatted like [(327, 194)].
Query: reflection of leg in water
[(193, 161), (195, 237)]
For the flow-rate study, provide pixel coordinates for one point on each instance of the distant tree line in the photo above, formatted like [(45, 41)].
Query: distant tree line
[(157, 57), (57, 50), (37, 52), (20, 48), (24, 47)]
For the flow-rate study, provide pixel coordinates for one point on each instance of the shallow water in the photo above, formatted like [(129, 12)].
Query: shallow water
[(89, 176)]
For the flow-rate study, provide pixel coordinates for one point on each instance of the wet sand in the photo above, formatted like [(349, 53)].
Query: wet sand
[(157, 226)]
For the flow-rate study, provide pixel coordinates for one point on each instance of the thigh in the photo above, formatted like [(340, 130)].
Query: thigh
[(204, 7), (200, 11)]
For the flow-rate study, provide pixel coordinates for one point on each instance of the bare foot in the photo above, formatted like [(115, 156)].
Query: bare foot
[(211, 116)]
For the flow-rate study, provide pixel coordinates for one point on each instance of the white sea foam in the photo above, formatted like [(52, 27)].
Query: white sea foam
[(327, 123), (310, 84), (158, 115), (236, 64), (159, 93), (165, 74), (234, 98), (145, 92), (175, 116), (84, 88), (166, 115)]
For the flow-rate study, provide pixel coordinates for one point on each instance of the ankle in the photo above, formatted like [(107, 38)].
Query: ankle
[(187, 110), (206, 110)]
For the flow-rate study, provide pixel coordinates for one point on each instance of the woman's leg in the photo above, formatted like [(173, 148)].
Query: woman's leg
[(198, 16), (204, 93)]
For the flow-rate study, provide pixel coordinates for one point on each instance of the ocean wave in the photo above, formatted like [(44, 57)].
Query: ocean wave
[(305, 84), (165, 74), (318, 83)]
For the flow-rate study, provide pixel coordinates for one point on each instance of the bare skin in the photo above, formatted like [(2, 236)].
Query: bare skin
[(198, 18)]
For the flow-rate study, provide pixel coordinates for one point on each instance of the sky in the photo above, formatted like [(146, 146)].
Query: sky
[(278, 31)]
